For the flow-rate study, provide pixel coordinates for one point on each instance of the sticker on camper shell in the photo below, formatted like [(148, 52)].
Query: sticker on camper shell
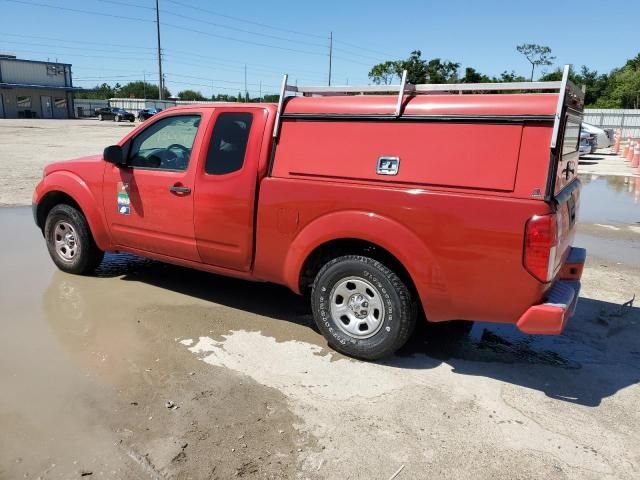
[(124, 203)]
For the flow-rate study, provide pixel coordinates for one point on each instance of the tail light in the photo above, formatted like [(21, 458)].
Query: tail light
[(540, 246)]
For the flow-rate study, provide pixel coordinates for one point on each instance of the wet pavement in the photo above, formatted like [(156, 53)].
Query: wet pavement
[(88, 364), (610, 200)]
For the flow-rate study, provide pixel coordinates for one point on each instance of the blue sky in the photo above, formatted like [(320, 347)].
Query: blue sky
[(207, 43)]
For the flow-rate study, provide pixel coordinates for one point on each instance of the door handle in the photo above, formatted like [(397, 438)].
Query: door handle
[(177, 189)]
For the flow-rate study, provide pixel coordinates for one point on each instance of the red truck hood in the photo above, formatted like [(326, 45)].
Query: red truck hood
[(74, 164)]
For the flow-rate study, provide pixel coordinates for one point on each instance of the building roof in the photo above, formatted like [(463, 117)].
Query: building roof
[(8, 58)]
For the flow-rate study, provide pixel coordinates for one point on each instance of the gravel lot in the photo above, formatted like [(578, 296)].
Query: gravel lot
[(153, 371), (28, 145)]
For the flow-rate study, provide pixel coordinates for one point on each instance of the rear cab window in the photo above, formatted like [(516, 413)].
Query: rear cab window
[(228, 143)]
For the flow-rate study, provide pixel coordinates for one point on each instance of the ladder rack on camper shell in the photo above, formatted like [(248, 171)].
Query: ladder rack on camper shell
[(568, 94)]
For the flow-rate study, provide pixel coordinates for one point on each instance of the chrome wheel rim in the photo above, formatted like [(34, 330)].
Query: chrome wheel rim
[(357, 307), (66, 241)]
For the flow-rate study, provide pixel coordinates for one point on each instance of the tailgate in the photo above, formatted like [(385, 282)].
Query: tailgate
[(567, 204)]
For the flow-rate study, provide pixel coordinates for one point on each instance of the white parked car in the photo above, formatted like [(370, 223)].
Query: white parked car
[(602, 139)]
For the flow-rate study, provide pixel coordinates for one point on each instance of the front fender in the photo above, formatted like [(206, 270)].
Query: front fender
[(387, 233), (75, 187)]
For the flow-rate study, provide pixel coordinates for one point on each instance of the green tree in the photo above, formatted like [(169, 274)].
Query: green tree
[(595, 84), (623, 87), (384, 73), (140, 89), (442, 72), (415, 66), (471, 75), (223, 97), (536, 55), (102, 92), (509, 77), (191, 95)]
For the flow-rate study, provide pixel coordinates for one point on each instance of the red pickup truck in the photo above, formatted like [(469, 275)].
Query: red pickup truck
[(381, 202)]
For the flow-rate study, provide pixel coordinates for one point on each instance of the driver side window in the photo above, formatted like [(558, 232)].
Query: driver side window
[(166, 144)]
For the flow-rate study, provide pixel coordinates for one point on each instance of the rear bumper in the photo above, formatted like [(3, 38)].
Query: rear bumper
[(551, 316)]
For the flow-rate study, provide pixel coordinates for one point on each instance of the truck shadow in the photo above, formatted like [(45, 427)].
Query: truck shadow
[(594, 358), (597, 356)]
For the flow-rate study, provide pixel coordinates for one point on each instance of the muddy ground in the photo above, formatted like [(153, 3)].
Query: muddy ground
[(147, 370)]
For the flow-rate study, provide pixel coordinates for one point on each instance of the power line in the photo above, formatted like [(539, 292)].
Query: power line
[(73, 54), (218, 80), (122, 17), (75, 41), (237, 19), (242, 30), (115, 2), (264, 25), (85, 49), (234, 70), (208, 86), (366, 49), (77, 10), (249, 42), (208, 62)]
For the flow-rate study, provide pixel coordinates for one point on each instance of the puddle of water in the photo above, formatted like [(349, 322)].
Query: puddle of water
[(609, 199), (623, 251)]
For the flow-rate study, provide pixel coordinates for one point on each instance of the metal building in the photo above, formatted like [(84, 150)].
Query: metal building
[(34, 89)]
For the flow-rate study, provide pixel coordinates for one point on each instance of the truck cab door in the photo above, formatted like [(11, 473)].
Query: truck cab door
[(226, 188), (149, 202)]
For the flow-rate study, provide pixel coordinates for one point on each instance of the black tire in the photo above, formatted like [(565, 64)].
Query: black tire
[(398, 317), (132, 119), (87, 255)]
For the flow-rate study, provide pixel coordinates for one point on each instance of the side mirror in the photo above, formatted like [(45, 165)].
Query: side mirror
[(113, 154)]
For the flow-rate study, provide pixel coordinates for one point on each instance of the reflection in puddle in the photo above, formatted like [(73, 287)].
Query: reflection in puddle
[(623, 251), (609, 199), (485, 343)]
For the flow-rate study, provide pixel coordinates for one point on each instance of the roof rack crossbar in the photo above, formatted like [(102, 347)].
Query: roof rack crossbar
[(564, 87)]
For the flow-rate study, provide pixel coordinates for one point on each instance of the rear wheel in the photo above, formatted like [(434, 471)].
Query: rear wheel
[(117, 118), (363, 308), (100, 117), (69, 241)]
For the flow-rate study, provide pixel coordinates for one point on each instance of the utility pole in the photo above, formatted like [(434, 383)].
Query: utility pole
[(330, 54), (246, 92), (144, 85), (160, 76), (260, 97)]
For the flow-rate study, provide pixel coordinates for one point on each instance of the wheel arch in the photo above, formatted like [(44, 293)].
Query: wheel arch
[(369, 234), (67, 188)]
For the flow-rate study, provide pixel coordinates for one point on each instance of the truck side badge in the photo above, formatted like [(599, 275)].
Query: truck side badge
[(124, 202), (388, 165)]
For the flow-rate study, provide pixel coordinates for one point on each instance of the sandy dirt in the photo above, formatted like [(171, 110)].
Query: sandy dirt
[(146, 370), (28, 145)]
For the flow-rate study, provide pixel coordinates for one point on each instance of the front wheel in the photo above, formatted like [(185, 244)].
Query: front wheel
[(69, 241), (363, 308), (117, 118), (100, 117)]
